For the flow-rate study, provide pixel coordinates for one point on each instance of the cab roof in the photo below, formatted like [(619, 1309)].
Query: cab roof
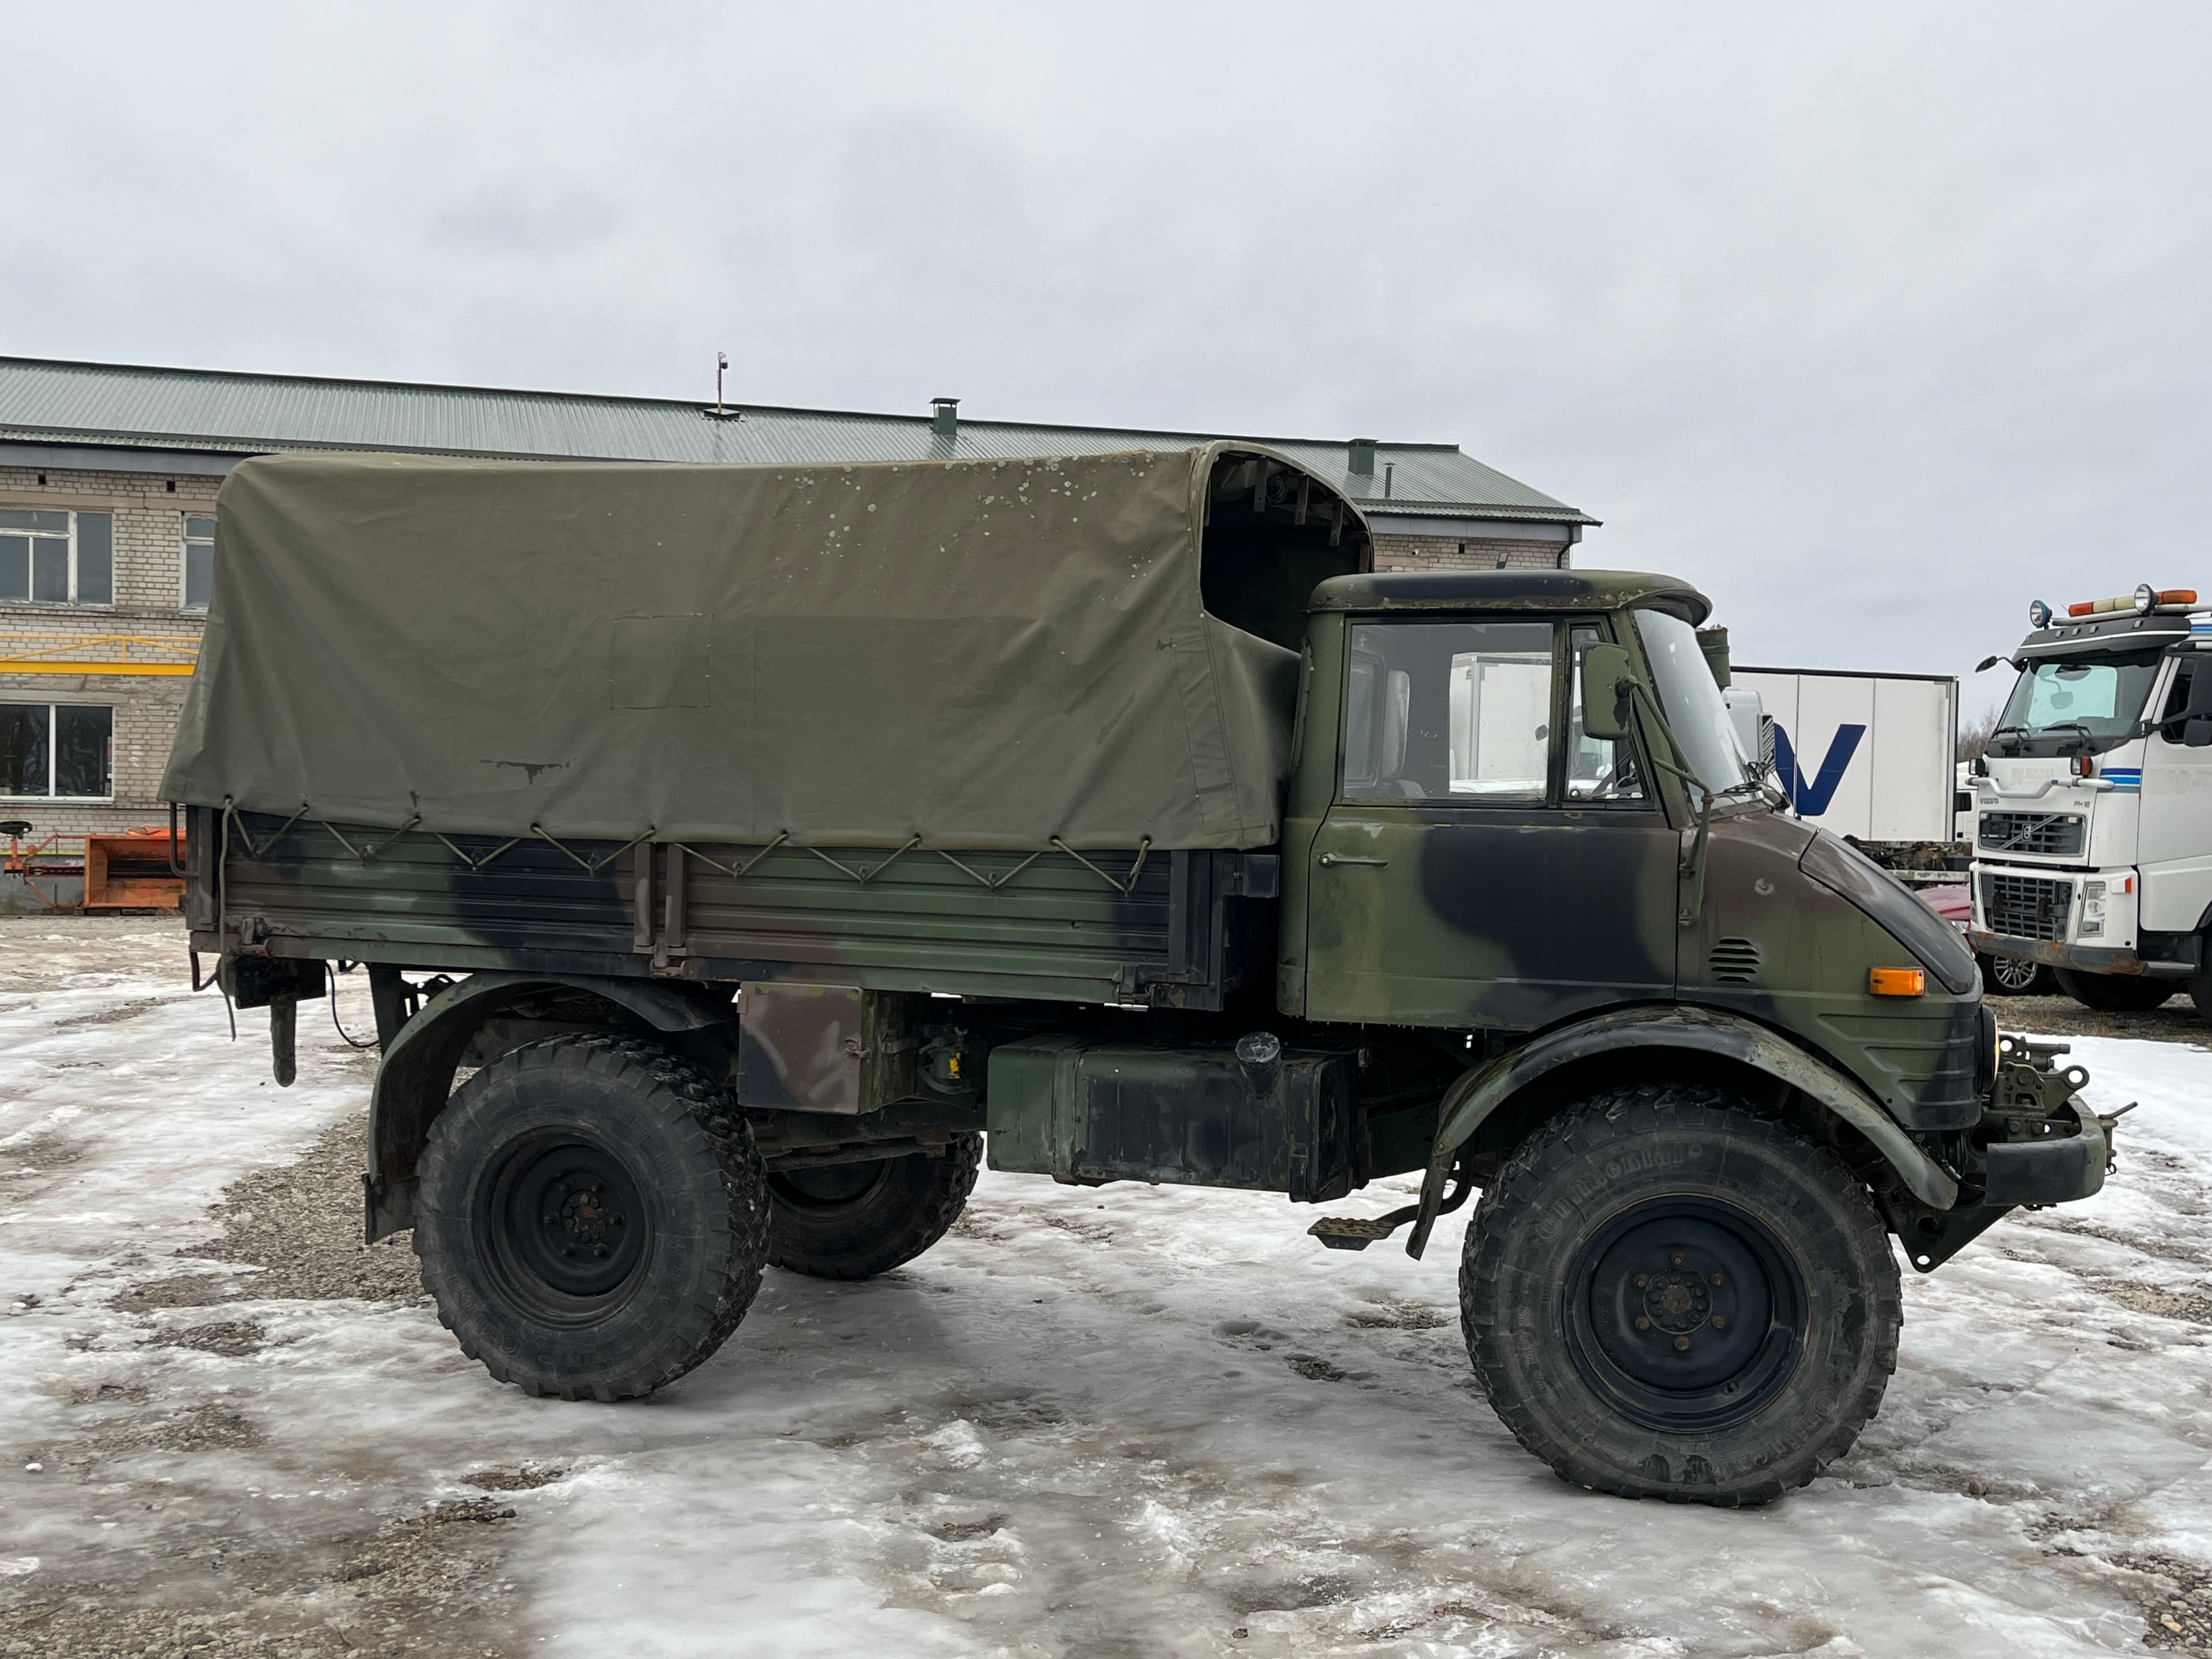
[(1510, 590), (2116, 631)]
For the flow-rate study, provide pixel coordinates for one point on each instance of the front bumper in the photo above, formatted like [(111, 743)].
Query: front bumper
[(2056, 1170), (2036, 1144), (2083, 958)]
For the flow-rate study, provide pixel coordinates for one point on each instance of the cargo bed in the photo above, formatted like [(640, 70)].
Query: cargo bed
[(1170, 929)]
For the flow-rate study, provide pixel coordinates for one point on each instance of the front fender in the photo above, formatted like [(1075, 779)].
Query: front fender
[(1483, 1089), (418, 1073)]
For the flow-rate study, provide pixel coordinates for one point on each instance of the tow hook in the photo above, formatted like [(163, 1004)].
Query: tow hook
[(2044, 1146)]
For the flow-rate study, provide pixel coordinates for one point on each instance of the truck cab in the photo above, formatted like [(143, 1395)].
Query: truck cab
[(2093, 820)]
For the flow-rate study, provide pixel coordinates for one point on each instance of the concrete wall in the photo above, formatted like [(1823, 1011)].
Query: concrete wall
[(149, 509)]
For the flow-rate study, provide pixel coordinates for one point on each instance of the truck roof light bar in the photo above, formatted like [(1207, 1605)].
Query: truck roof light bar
[(2143, 601)]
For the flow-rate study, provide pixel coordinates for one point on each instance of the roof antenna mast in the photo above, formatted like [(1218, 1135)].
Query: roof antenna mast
[(721, 362)]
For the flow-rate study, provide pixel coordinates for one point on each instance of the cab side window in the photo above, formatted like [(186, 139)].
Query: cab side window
[(2176, 700), (1448, 712)]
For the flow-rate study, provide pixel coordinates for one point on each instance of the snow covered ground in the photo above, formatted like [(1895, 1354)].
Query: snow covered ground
[(1129, 1421)]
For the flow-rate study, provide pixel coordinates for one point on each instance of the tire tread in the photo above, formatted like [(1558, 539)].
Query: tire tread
[(1607, 1118), (688, 1097)]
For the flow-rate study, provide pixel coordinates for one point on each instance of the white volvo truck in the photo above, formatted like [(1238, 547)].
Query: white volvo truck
[(2093, 820)]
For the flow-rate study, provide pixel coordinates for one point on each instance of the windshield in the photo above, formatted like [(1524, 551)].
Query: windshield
[(1691, 700), (2059, 707)]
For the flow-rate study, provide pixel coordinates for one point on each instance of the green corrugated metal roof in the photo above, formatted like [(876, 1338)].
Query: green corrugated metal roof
[(47, 401)]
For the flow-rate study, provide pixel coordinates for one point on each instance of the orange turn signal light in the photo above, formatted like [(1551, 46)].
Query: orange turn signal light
[(1896, 981)]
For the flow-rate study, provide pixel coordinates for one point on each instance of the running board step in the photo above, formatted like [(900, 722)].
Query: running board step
[(1352, 1232)]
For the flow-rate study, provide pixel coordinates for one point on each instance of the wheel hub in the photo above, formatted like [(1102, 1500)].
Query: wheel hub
[(569, 1228), (1685, 1313)]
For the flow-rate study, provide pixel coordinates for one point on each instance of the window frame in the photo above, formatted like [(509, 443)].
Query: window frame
[(53, 754), (185, 546), (1563, 690), (1555, 797), (74, 601)]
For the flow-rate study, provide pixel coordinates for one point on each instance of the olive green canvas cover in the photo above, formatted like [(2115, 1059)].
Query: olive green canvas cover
[(986, 654)]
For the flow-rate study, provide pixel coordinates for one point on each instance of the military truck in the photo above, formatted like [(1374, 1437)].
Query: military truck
[(2093, 843), (734, 852)]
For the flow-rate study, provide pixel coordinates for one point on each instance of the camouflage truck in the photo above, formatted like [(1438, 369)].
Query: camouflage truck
[(731, 851)]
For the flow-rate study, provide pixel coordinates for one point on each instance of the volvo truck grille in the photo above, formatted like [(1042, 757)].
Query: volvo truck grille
[(2057, 835), (2025, 907)]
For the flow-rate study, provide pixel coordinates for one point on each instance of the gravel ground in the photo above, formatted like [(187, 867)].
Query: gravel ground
[(363, 1573)]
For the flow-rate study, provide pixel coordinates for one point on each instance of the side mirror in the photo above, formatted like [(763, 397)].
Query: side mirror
[(1606, 679), (2196, 733)]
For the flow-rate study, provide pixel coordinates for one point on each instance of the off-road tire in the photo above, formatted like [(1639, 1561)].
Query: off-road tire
[(2116, 994), (856, 1220), (1615, 1167), (591, 1216), (2015, 977)]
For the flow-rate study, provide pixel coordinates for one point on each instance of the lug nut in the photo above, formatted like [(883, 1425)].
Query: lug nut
[(1681, 1344), (568, 1249), (1642, 1324), (1675, 1259), (1641, 1280), (1720, 1321), (1717, 1279), (601, 1253)]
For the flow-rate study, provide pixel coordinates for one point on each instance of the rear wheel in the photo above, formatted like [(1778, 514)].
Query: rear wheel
[(2200, 993), (591, 1216), (2117, 994), (856, 1220), (2012, 976), (1666, 1295)]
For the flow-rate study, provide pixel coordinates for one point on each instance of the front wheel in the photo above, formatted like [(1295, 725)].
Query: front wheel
[(1666, 1295), (2013, 976), (856, 1220), (2117, 994)]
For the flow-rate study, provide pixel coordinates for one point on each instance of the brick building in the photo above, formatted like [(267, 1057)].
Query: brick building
[(108, 475)]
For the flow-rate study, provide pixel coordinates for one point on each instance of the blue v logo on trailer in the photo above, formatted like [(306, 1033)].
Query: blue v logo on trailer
[(1811, 799)]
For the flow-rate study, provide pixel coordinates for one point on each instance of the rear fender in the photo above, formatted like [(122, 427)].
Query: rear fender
[(416, 1077), (1482, 1090)]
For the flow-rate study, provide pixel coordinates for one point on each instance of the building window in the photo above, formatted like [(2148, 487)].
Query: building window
[(199, 564), (57, 751), (53, 557)]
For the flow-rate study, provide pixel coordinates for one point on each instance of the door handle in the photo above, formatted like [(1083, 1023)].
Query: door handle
[(1330, 858)]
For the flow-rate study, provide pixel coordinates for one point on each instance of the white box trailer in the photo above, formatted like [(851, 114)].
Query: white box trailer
[(1868, 756)]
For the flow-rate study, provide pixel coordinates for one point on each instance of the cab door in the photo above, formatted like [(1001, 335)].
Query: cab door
[(1484, 864), (2174, 835)]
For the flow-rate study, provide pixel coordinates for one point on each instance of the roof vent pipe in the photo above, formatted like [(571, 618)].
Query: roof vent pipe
[(945, 416), (1363, 457)]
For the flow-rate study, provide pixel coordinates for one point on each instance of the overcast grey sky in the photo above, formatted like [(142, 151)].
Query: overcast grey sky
[(1876, 324)]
